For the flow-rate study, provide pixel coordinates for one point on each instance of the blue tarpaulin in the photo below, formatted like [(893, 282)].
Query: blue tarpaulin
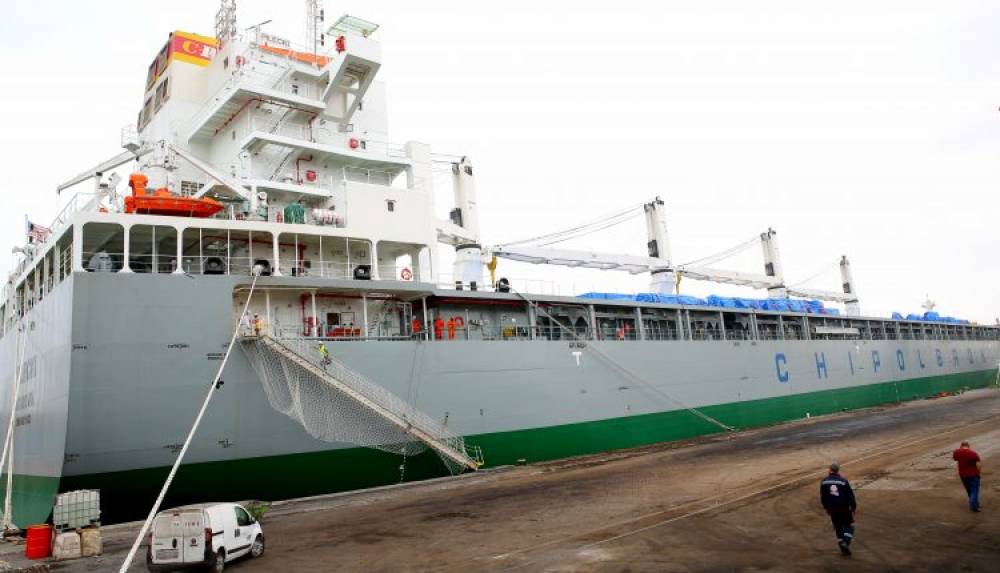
[(774, 304)]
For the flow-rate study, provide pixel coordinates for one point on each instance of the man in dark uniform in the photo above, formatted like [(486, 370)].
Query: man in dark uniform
[(837, 497)]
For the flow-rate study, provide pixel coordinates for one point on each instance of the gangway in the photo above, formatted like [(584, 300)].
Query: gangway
[(285, 368)]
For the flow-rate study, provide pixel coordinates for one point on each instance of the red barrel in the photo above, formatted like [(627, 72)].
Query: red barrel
[(39, 545)]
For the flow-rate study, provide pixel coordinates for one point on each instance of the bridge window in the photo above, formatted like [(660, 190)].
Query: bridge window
[(302, 254), (103, 247), (152, 249), (224, 251)]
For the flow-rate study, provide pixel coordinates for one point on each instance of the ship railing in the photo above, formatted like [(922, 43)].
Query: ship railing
[(279, 80), (394, 180), (235, 212), (395, 150), (369, 176), (111, 260), (289, 175), (337, 333), (707, 334), (517, 284), (325, 269), (463, 331), (66, 262), (276, 126), (246, 77), (661, 334), (103, 260), (88, 201)]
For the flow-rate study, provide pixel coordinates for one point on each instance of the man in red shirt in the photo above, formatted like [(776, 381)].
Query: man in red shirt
[(968, 469)]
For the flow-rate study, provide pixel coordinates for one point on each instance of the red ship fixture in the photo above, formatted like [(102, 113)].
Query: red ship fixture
[(163, 202)]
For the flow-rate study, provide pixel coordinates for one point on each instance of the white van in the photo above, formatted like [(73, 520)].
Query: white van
[(203, 535)]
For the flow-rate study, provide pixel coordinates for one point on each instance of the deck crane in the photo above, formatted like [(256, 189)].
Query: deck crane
[(664, 273), (163, 156)]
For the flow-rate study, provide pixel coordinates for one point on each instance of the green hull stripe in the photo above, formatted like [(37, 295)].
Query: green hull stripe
[(128, 494), (589, 437), (31, 498)]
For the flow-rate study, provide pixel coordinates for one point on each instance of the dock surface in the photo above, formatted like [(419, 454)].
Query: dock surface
[(741, 502)]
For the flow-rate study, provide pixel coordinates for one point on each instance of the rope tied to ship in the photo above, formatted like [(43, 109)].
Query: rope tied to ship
[(212, 388)]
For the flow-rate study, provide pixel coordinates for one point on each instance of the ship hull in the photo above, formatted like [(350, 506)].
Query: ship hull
[(349, 468), (145, 348), (42, 407)]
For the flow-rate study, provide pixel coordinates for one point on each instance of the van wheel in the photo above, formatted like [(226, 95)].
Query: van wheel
[(257, 549), (220, 562)]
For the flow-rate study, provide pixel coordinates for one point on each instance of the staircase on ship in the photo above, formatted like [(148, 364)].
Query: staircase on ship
[(335, 403)]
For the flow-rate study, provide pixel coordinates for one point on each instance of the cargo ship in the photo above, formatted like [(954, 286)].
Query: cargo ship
[(260, 174)]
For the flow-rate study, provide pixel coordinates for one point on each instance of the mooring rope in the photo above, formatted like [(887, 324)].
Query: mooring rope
[(8, 445), (194, 428)]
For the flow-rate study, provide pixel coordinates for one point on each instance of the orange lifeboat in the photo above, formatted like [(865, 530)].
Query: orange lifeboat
[(163, 202)]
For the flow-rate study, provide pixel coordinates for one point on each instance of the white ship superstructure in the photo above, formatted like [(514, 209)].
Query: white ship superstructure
[(250, 152)]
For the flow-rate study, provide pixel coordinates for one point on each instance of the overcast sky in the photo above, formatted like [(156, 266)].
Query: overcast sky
[(862, 128)]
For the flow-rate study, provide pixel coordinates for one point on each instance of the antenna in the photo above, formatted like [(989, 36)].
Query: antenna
[(315, 38), (225, 22)]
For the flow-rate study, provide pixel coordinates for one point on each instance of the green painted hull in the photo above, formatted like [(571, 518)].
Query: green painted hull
[(129, 494), (32, 497)]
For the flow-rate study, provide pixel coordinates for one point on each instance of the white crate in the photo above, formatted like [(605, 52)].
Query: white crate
[(75, 509)]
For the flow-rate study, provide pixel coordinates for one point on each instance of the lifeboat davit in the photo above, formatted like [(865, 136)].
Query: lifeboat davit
[(163, 202)]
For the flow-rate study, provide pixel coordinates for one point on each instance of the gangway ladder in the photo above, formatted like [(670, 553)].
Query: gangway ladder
[(434, 438)]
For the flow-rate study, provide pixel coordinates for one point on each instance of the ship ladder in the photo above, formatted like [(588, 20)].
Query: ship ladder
[(335, 403)]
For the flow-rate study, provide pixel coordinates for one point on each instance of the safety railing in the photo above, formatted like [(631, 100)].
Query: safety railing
[(278, 126), (659, 333), (522, 285), (312, 268), (246, 76), (395, 150), (79, 202), (103, 261), (66, 262), (369, 176), (160, 263), (82, 201)]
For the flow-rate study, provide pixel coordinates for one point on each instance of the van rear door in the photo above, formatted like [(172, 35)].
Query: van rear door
[(178, 537), (194, 536)]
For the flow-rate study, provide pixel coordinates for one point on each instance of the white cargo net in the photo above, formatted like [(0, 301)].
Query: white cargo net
[(337, 404)]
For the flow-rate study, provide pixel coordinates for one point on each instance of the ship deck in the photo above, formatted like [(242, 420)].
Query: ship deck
[(747, 501)]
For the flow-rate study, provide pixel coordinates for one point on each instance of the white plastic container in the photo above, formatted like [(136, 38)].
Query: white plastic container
[(75, 509)]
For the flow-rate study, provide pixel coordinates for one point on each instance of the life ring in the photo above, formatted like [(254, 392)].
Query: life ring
[(459, 321), (406, 274)]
